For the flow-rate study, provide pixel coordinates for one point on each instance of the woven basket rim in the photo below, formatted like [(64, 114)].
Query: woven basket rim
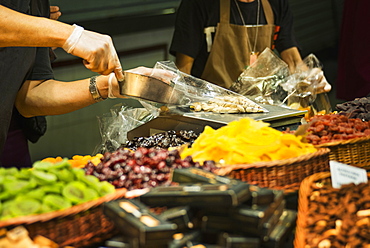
[(283, 162), (344, 142), (303, 200), (29, 219)]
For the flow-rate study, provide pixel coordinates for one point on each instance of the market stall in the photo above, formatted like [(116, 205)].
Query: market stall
[(207, 168)]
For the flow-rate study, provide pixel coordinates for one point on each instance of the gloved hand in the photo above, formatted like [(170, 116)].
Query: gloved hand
[(96, 49), (163, 75)]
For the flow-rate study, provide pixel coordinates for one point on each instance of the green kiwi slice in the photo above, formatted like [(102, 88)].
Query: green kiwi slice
[(24, 206), (56, 201), (42, 165), (106, 188), (43, 177), (74, 191)]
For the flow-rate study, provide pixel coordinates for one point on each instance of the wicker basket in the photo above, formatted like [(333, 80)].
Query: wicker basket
[(78, 226), (303, 205), (354, 152), (285, 174)]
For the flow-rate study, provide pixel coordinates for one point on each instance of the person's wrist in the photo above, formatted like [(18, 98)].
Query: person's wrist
[(73, 39), (96, 89)]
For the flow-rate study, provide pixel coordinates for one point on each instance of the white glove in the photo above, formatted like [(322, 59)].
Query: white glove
[(96, 49)]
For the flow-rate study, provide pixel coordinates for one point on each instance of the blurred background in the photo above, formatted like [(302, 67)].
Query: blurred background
[(142, 32)]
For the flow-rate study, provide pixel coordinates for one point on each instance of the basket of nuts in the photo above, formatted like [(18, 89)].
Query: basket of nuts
[(331, 217), (347, 138)]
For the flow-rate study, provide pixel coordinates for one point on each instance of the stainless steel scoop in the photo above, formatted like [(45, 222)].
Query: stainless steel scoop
[(148, 88)]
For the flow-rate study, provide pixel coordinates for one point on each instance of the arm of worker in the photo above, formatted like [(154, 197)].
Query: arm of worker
[(293, 58), (51, 97), (184, 62), (97, 50)]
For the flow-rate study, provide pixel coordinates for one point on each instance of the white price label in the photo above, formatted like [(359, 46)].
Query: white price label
[(345, 174)]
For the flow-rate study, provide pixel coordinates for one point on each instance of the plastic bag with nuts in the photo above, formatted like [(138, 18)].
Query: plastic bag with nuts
[(201, 95)]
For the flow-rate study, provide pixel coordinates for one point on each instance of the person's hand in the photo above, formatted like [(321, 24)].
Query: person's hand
[(317, 78), (96, 49), (55, 12)]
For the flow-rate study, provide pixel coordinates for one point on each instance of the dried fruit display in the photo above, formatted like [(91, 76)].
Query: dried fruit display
[(143, 168), (246, 141), (46, 187), (228, 104), (339, 218), (335, 127), (358, 108), (162, 140)]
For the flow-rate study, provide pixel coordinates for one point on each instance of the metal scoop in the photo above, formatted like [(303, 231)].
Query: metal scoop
[(148, 88)]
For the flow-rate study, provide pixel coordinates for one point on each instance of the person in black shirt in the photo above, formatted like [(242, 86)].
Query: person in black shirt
[(216, 39)]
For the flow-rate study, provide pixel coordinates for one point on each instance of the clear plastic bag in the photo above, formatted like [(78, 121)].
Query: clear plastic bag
[(302, 86), (261, 81), (191, 91), (115, 125)]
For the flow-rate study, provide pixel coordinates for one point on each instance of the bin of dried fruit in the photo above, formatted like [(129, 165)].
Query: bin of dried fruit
[(347, 138), (331, 217), (162, 140), (56, 201), (257, 153), (141, 169), (357, 108)]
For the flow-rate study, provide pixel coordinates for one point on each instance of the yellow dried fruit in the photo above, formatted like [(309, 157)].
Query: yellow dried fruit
[(246, 141)]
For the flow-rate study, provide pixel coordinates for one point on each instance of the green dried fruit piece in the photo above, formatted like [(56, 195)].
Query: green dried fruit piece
[(24, 206), (56, 201), (43, 177), (74, 191)]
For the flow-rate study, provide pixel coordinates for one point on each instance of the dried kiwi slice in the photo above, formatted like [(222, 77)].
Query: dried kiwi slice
[(90, 194), (106, 188), (37, 194), (64, 164), (74, 191), (56, 201), (91, 181), (43, 177), (42, 165), (24, 206), (65, 175), (16, 186)]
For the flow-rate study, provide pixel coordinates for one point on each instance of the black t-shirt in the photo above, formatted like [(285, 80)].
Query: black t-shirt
[(195, 15), (18, 64)]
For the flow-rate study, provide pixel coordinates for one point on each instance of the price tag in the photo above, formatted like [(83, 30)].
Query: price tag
[(345, 174)]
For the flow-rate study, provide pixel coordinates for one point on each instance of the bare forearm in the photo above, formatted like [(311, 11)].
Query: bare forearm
[(184, 62), (52, 97), (17, 29)]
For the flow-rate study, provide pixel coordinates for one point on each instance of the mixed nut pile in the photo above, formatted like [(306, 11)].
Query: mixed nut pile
[(339, 217)]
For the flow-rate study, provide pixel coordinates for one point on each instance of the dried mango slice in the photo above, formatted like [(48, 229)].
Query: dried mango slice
[(246, 141)]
